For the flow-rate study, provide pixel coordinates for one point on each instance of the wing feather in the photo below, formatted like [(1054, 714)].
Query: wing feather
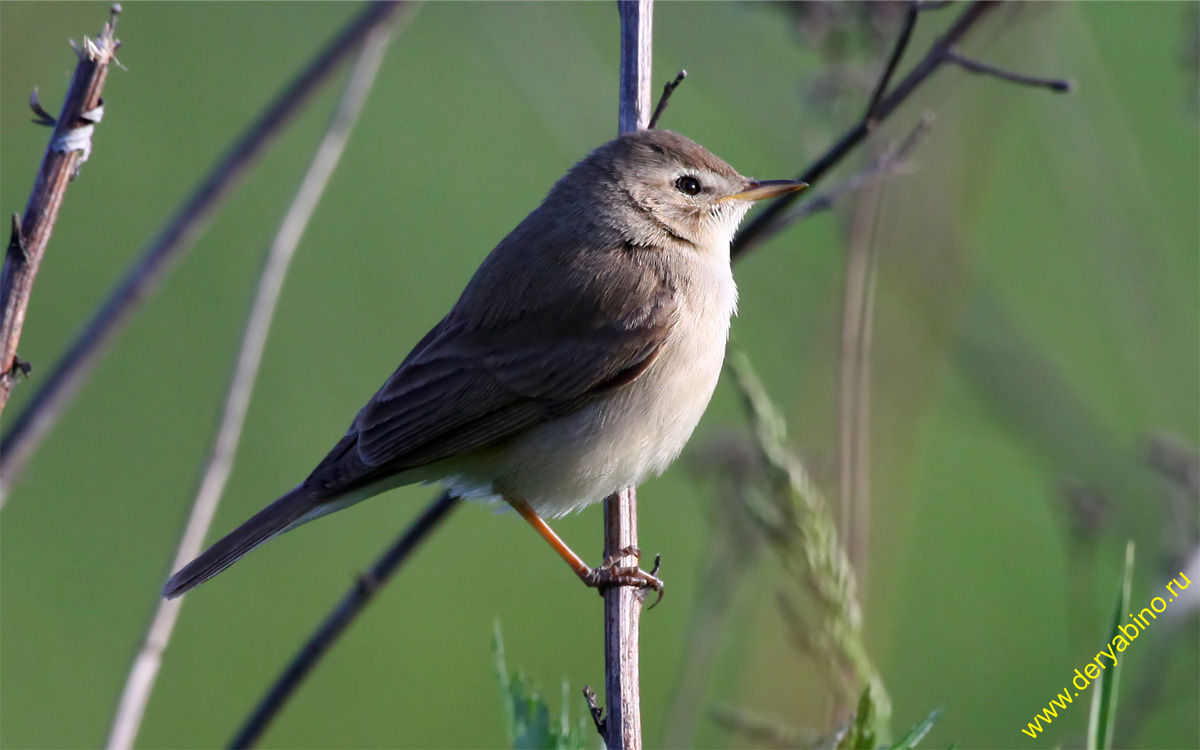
[(491, 370)]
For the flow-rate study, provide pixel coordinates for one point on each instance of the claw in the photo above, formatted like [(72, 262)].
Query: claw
[(16, 240), (609, 574)]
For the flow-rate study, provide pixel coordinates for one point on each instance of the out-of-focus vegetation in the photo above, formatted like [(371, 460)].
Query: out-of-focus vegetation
[(527, 715), (1034, 370)]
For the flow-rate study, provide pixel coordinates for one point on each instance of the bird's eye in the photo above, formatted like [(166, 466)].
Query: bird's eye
[(688, 184)]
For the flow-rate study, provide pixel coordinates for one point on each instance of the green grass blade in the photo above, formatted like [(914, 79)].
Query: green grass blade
[(917, 733), (1104, 699)]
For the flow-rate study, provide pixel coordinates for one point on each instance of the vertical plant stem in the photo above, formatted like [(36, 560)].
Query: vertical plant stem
[(622, 612), (623, 604), (140, 683), (854, 381), (637, 25)]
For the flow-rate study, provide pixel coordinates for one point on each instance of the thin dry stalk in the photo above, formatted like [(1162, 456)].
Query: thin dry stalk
[(623, 604), (854, 383), (140, 683), (351, 605), (70, 146), (172, 243)]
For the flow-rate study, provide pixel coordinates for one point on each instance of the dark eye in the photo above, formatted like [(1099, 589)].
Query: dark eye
[(688, 184)]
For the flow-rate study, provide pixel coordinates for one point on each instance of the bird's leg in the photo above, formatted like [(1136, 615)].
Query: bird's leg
[(605, 576)]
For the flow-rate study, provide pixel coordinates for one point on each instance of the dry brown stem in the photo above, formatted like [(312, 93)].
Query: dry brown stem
[(70, 146)]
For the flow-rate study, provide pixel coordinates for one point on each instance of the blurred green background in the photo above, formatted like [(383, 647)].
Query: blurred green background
[(1037, 320)]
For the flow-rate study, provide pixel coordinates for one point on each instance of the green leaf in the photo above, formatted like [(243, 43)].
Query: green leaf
[(1104, 698), (527, 714), (917, 733)]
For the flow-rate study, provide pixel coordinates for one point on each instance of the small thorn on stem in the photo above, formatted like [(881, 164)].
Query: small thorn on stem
[(597, 712), (666, 95), (43, 117), (19, 366), (367, 583), (16, 240)]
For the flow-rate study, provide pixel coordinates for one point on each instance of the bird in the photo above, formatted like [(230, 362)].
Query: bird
[(577, 361)]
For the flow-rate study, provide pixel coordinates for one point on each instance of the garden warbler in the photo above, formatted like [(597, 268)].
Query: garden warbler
[(577, 361)]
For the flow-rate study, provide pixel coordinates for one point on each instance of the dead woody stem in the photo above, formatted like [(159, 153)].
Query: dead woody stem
[(622, 728), (70, 146)]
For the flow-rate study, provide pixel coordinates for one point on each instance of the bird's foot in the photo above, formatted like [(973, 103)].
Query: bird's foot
[(610, 574)]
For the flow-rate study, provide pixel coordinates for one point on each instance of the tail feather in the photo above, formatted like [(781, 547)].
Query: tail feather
[(276, 518)]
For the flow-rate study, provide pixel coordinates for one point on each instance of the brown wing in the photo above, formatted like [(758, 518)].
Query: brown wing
[(487, 373), (457, 397)]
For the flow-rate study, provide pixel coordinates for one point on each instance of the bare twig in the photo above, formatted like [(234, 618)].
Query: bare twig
[(892, 161), (772, 219), (146, 664), (70, 146), (175, 239), (351, 605), (666, 97), (885, 80), (594, 708), (971, 65)]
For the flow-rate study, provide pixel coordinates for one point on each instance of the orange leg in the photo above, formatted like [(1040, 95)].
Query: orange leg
[(566, 553), (606, 575)]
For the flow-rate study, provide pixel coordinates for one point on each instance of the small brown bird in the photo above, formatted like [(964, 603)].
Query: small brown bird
[(577, 361)]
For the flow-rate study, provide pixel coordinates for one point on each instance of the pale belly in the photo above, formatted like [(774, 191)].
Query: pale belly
[(569, 463)]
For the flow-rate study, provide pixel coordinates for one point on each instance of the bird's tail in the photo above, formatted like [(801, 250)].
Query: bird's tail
[(289, 510)]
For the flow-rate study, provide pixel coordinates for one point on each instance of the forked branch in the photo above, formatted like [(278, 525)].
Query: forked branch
[(883, 104)]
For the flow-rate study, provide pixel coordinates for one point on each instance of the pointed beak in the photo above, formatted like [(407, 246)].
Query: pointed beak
[(757, 190)]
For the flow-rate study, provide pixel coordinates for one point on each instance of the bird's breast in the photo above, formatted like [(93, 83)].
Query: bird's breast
[(637, 431)]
